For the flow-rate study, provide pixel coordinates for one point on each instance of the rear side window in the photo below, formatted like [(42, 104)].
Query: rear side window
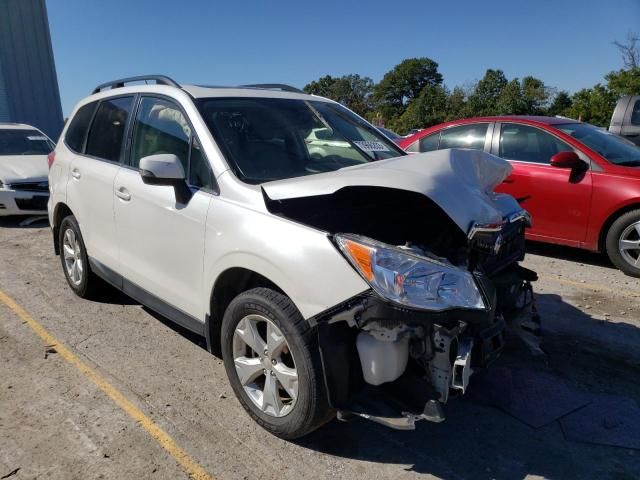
[(108, 128), (430, 142), (464, 136), (635, 114), (77, 131)]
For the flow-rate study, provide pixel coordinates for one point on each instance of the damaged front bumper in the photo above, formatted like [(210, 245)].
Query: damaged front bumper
[(396, 365)]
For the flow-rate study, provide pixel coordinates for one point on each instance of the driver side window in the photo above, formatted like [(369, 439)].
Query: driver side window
[(160, 127), (529, 144)]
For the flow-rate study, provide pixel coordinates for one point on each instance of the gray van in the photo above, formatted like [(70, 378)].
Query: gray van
[(626, 118)]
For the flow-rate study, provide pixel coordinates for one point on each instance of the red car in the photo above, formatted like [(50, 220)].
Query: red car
[(581, 184)]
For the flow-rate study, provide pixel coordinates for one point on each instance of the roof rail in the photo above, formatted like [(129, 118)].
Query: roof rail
[(159, 79), (274, 86)]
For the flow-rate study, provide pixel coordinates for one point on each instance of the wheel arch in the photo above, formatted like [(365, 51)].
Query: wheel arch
[(61, 211), (228, 285), (602, 238)]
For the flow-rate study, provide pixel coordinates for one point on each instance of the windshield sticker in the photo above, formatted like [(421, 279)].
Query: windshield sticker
[(371, 146), (37, 138)]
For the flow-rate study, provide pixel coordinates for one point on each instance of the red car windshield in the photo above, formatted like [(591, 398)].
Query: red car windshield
[(614, 148)]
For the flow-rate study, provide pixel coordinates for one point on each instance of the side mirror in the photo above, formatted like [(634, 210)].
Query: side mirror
[(165, 169), (566, 160)]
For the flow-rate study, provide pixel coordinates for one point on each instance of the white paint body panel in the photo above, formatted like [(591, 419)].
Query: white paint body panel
[(461, 182)]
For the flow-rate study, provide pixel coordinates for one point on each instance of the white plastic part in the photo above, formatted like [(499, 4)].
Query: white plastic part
[(382, 361)]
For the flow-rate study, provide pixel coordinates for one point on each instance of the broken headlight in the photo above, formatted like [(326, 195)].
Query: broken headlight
[(409, 279)]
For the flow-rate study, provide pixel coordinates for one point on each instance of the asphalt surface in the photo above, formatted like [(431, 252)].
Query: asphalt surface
[(57, 424)]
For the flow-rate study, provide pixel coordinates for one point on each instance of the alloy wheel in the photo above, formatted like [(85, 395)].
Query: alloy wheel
[(265, 365), (72, 257), (629, 244)]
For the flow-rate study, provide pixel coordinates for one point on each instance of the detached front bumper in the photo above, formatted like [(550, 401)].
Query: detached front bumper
[(444, 349), (20, 202)]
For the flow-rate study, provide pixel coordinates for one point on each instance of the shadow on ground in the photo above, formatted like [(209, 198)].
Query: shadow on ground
[(569, 253), (24, 222)]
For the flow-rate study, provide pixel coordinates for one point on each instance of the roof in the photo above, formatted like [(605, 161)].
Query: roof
[(528, 118), (16, 126), (198, 91)]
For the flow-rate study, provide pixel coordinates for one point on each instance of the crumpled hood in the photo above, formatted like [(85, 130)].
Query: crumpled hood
[(23, 168), (460, 181)]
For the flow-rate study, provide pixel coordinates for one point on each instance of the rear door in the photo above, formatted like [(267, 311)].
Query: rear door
[(631, 124), (92, 173), (161, 241), (558, 199)]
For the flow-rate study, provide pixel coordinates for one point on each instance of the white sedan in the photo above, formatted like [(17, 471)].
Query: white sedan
[(24, 185)]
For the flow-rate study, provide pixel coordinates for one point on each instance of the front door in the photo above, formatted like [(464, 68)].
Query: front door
[(161, 241), (558, 199)]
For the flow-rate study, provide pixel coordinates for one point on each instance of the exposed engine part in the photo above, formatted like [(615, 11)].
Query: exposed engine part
[(451, 355), (382, 361)]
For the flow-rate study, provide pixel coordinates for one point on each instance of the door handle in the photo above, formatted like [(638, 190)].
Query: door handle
[(123, 194), (508, 180), (75, 173)]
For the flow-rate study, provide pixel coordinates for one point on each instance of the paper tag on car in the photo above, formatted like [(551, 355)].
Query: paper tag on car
[(371, 146), (37, 138)]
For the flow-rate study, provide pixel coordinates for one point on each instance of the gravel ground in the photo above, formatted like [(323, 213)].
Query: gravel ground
[(56, 424)]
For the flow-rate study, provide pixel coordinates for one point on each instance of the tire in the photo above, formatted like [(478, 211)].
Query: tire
[(627, 229), (264, 308), (86, 284)]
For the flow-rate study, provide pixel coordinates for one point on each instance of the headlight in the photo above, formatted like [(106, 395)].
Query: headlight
[(409, 279)]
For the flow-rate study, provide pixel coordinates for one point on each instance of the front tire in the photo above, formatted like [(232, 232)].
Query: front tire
[(272, 359), (75, 262), (623, 243)]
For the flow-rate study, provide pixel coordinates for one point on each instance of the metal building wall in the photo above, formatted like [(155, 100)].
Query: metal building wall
[(28, 82)]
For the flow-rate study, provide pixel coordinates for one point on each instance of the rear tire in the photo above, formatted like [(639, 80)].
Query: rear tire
[(623, 243), (74, 259), (298, 407)]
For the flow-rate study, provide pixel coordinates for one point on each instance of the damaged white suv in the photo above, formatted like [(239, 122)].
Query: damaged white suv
[(353, 279)]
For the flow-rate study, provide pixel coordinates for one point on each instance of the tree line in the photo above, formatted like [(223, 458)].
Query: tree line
[(413, 94)]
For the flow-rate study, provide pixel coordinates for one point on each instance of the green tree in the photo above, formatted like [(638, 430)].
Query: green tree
[(511, 100), (427, 109), (560, 105), (535, 95), (456, 104), (404, 83), (484, 99), (624, 82), (353, 91), (594, 105)]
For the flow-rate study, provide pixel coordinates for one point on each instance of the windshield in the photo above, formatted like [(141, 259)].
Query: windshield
[(24, 142), (612, 147), (267, 139)]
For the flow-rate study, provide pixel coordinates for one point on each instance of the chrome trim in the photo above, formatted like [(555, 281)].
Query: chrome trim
[(484, 228)]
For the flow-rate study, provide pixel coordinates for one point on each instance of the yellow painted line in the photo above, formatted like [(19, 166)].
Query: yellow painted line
[(590, 286), (193, 469)]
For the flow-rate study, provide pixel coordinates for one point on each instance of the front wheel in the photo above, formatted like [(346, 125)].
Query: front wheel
[(272, 359), (623, 243)]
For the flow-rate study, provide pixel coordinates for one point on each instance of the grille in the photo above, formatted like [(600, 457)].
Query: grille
[(38, 202), (31, 186)]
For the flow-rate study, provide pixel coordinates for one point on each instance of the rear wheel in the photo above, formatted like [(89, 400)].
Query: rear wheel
[(273, 363), (623, 243), (75, 262)]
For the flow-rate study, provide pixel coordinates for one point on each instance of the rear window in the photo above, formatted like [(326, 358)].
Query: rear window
[(24, 142), (107, 130), (77, 131)]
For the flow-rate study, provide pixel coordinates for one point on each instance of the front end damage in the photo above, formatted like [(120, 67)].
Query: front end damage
[(446, 286)]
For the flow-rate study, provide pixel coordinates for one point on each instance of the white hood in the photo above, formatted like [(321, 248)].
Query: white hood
[(23, 168), (460, 181)]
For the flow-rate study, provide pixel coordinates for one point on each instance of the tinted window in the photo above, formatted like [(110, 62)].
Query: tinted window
[(78, 127), (268, 139), (635, 114), (430, 142), (161, 127), (464, 136), (24, 142), (107, 130), (528, 144)]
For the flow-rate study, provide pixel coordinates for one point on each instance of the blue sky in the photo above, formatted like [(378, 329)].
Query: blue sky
[(565, 43)]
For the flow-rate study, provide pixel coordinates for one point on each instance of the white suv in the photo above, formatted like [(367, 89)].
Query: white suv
[(356, 280)]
